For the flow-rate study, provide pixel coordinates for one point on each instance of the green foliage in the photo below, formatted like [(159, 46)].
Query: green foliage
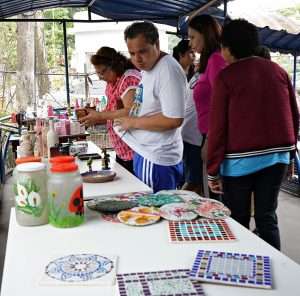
[(8, 45), (54, 35), (291, 11)]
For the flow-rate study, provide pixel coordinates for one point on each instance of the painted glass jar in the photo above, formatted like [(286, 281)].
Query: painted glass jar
[(65, 199), (30, 188)]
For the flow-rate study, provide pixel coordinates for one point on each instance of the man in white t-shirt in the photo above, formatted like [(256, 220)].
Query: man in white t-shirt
[(152, 129)]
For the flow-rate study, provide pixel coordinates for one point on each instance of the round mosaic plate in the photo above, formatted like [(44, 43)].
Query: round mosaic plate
[(211, 209), (139, 216), (79, 267), (131, 196), (110, 217), (186, 195), (177, 212), (110, 206), (157, 200)]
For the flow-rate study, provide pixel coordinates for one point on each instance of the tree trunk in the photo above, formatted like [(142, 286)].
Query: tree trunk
[(31, 58), (25, 63)]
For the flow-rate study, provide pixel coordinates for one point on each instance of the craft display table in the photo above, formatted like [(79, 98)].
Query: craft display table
[(139, 249), (124, 182)]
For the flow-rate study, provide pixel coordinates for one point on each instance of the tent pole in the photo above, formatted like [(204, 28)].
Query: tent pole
[(225, 9), (66, 64), (295, 71), (89, 14)]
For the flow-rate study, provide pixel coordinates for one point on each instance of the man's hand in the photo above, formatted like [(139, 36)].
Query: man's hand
[(124, 123), (216, 186), (92, 118)]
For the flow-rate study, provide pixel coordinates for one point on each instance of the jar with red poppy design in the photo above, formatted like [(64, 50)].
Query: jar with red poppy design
[(65, 198)]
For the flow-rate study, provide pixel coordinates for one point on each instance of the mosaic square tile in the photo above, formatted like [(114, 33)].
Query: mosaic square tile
[(162, 283), (216, 230), (232, 269)]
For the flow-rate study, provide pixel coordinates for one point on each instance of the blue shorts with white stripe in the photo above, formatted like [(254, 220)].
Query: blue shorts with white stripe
[(158, 177)]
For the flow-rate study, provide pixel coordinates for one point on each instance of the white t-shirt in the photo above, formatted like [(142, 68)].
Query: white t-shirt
[(163, 89), (190, 130)]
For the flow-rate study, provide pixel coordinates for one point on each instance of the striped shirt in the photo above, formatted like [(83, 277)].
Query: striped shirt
[(115, 92)]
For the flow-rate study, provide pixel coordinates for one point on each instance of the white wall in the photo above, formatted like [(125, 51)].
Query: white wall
[(91, 36)]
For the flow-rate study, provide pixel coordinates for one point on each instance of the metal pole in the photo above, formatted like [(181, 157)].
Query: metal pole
[(295, 71), (89, 14), (225, 9), (66, 63)]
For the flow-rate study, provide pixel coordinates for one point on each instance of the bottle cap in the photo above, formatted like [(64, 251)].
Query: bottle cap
[(64, 167)]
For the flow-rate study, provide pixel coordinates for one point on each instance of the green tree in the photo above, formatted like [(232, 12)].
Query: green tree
[(291, 12), (54, 35), (7, 63)]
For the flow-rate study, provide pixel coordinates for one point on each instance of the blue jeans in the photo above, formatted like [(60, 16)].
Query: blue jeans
[(265, 185)]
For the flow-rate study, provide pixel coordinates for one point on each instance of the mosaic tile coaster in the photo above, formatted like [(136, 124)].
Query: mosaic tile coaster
[(213, 230), (232, 269), (80, 269), (162, 283)]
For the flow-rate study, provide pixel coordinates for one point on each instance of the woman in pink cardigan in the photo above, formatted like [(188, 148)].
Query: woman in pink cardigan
[(204, 33)]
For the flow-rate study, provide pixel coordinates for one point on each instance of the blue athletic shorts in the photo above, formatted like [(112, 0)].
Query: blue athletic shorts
[(158, 177)]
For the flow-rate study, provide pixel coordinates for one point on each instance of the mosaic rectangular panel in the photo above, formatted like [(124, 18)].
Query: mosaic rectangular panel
[(200, 230), (232, 269), (163, 283)]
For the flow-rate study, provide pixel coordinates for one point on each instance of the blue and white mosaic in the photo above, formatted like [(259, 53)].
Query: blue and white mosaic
[(79, 267), (232, 269)]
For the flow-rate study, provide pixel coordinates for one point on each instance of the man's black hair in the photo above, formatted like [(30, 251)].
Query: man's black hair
[(241, 37), (147, 29)]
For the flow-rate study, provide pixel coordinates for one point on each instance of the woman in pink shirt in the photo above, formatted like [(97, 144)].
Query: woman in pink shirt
[(204, 34), (122, 80)]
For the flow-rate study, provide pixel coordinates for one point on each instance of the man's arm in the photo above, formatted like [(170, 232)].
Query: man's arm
[(157, 122), (95, 117)]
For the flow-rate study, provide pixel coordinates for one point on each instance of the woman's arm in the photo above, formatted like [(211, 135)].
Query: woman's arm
[(95, 117)]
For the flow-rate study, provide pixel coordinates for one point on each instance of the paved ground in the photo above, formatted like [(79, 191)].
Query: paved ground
[(288, 213)]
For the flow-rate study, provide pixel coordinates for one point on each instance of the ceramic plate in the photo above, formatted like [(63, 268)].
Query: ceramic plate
[(110, 206), (211, 209), (177, 212), (131, 196), (186, 195), (79, 267), (110, 217), (98, 176), (139, 216), (157, 200)]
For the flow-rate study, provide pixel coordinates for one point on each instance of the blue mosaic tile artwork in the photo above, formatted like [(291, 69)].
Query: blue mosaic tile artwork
[(232, 269)]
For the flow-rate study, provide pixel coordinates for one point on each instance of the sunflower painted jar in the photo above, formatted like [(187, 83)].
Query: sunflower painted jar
[(65, 199), (30, 188)]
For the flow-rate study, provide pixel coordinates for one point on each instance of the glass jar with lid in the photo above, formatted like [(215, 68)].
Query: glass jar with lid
[(30, 188), (62, 159), (65, 198)]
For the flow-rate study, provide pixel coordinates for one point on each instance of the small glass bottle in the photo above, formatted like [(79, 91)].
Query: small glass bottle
[(65, 198)]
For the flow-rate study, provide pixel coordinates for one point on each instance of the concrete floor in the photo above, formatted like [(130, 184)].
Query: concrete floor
[(288, 214)]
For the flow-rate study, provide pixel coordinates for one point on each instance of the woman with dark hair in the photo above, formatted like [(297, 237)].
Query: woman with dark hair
[(192, 138), (122, 80), (204, 33), (184, 55), (253, 130)]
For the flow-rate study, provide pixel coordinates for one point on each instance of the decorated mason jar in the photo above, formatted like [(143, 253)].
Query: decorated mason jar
[(65, 198), (30, 188)]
